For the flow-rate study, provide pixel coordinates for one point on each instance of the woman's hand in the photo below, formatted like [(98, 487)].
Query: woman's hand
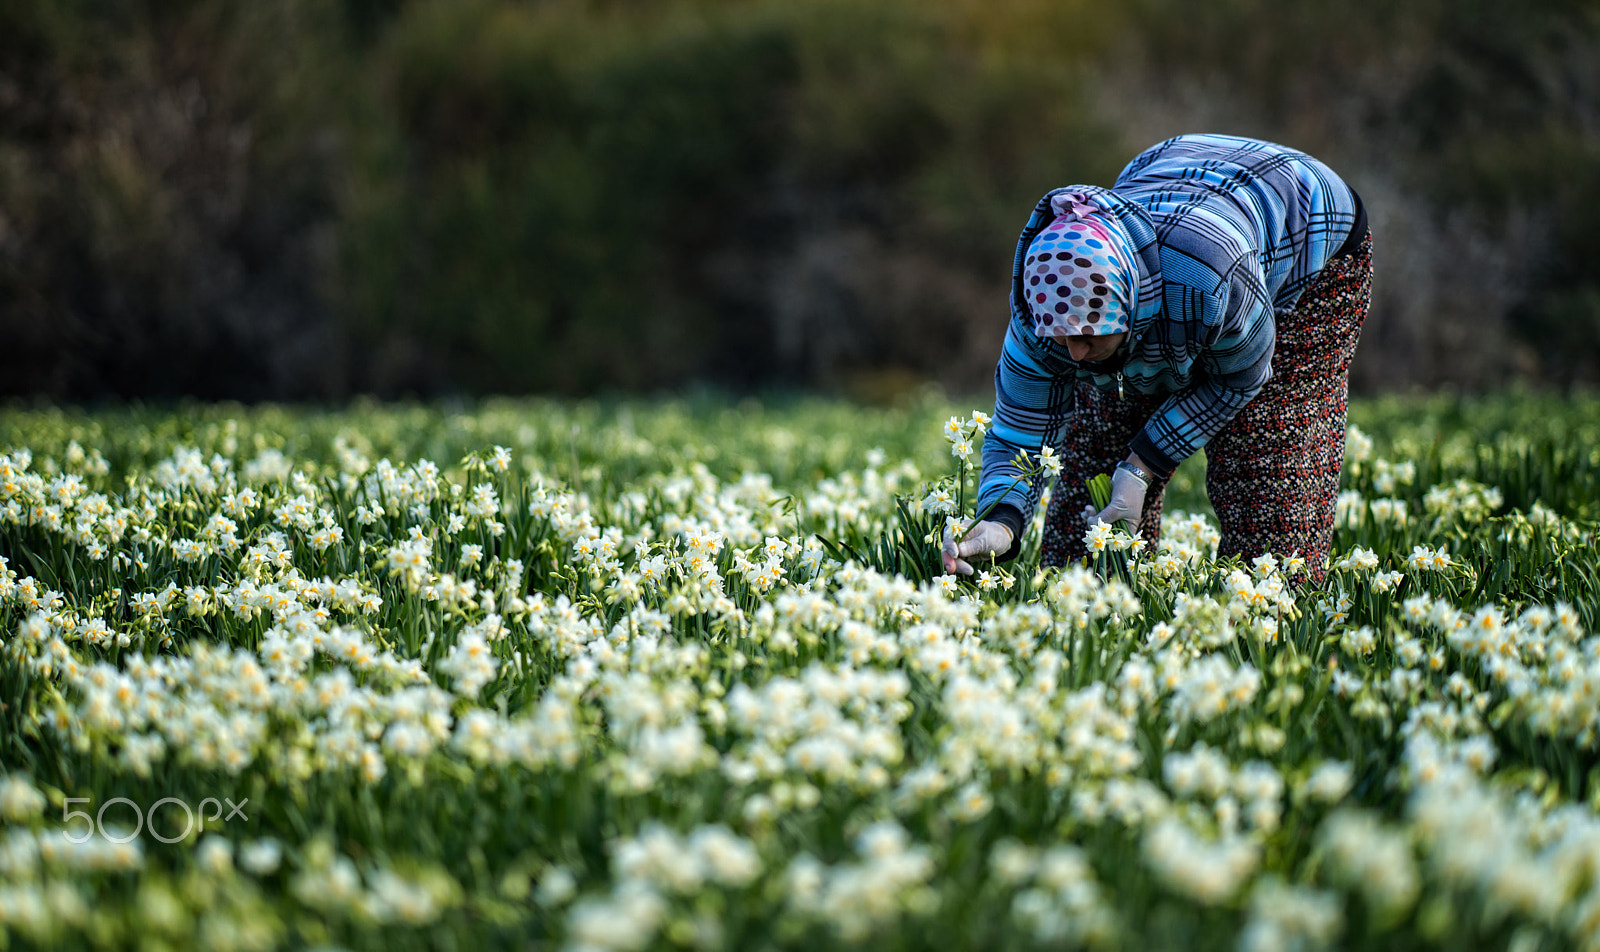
[(1127, 501), (985, 538)]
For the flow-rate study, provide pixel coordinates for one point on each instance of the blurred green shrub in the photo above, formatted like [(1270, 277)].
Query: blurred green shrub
[(292, 199), (561, 179)]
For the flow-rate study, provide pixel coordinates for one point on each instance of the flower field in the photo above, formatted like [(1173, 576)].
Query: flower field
[(686, 675)]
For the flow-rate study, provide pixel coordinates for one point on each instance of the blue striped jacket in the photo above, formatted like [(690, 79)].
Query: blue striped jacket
[(1228, 231)]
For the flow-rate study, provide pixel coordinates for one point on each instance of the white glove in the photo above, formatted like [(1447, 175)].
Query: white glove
[(1127, 501), (985, 538)]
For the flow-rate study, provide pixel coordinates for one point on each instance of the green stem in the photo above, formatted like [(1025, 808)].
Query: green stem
[(989, 508)]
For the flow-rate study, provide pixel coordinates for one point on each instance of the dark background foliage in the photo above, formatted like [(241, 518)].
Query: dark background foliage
[(288, 199)]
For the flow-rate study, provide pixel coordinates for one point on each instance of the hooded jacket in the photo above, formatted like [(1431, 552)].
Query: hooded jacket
[(1228, 232)]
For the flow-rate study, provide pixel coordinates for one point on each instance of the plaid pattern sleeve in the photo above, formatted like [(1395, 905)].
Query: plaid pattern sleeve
[(1031, 403), (1186, 421), (1237, 332)]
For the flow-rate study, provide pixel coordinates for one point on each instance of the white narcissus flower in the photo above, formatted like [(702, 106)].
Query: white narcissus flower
[(215, 855), (939, 501), (686, 630), (1049, 461), (20, 801), (261, 857)]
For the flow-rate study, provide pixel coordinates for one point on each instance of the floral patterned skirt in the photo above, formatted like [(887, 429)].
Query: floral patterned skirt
[(1272, 473)]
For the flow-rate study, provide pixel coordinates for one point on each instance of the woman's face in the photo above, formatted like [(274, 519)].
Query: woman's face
[(1093, 347)]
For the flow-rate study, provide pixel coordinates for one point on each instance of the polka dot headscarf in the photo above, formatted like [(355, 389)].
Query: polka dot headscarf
[(1079, 276)]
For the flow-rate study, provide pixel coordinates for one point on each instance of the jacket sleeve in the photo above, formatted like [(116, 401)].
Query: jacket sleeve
[(1238, 332), (1031, 404)]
